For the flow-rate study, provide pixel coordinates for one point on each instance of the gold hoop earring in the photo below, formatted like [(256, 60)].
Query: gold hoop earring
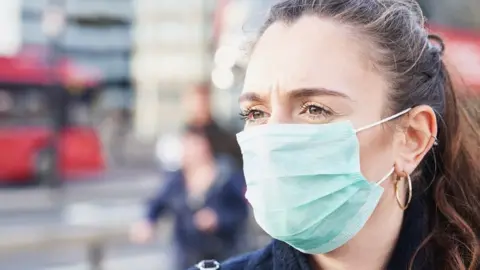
[(410, 193)]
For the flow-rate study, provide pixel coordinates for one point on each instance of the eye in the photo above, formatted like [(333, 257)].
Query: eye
[(315, 111), (251, 115)]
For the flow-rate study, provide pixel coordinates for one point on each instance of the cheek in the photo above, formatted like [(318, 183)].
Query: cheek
[(376, 153)]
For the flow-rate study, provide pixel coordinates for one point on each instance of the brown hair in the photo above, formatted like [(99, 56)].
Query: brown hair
[(448, 179)]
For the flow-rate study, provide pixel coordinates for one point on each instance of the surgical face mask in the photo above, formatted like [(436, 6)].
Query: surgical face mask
[(305, 185)]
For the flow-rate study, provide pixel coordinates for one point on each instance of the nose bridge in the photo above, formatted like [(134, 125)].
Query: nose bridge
[(280, 108), (279, 116)]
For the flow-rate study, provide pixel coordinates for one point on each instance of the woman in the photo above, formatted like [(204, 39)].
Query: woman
[(206, 199), (356, 153)]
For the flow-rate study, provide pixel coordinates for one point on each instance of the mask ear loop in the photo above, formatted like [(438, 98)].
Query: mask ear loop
[(383, 120), (386, 176)]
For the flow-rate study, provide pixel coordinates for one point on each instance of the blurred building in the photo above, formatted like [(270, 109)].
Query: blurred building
[(171, 51), (147, 52), (157, 48), (94, 34)]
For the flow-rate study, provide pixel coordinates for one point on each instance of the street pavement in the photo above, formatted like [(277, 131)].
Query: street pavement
[(118, 184), (149, 257), (112, 199)]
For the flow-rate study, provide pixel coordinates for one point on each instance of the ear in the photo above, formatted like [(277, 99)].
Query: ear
[(420, 132)]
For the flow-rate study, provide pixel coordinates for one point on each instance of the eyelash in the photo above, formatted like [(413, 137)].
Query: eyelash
[(324, 112), (245, 114)]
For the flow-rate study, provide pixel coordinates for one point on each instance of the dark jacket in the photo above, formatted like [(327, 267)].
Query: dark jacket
[(226, 198), (280, 256)]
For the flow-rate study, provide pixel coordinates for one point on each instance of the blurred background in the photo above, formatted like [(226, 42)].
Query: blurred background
[(104, 102)]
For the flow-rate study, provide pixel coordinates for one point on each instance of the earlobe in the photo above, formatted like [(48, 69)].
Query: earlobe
[(420, 133), (399, 170)]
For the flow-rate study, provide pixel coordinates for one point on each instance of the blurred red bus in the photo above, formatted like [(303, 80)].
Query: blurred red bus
[(27, 133)]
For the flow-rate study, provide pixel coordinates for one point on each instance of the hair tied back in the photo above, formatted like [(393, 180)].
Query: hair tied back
[(436, 42)]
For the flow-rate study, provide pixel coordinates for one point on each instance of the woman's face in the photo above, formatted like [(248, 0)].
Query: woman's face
[(314, 71)]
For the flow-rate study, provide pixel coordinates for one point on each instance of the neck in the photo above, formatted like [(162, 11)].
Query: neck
[(370, 249)]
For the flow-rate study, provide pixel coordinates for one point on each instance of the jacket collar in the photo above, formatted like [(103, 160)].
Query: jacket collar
[(286, 257)]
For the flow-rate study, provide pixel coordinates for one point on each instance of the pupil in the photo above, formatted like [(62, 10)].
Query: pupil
[(313, 110)]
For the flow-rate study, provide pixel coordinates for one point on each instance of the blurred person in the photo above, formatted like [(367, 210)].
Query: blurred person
[(197, 103), (357, 152), (207, 200)]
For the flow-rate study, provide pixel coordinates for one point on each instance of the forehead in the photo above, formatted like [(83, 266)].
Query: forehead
[(311, 52)]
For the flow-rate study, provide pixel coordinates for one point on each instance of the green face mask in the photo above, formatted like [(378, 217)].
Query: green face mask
[(305, 185)]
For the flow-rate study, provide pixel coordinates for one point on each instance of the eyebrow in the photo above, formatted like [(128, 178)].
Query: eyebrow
[(250, 97), (296, 93), (313, 92)]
